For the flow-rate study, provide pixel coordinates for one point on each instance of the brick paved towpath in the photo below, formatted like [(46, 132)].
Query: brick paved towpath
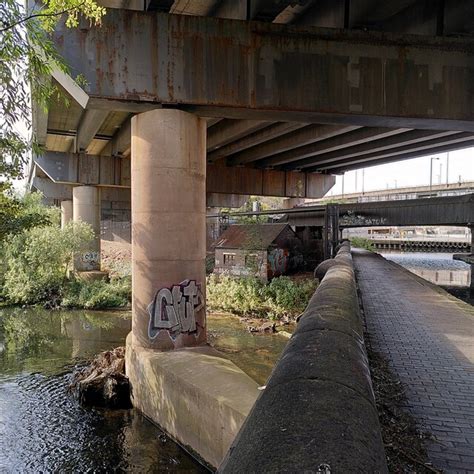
[(427, 336)]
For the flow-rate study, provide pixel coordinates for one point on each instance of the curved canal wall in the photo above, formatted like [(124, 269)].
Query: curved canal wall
[(318, 409)]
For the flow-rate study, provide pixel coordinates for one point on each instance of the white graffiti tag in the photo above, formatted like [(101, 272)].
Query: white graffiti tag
[(174, 310)]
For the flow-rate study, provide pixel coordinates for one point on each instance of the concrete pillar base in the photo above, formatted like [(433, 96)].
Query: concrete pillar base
[(196, 395)]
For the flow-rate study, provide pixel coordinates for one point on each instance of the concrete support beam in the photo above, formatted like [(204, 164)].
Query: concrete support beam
[(228, 131), (455, 142), (66, 212), (71, 168), (251, 181), (363, 136), (309, 156), (268, 133), (301, 137), (86, 208), (168, 229), (120, 145), (376, 78), (51, 189), (217, 200), (91, 122)]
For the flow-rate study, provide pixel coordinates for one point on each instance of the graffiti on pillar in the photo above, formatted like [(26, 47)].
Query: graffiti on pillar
[(89, 258), (174, 310)]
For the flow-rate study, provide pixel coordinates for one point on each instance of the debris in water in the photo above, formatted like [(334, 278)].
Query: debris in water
[(103, 382)]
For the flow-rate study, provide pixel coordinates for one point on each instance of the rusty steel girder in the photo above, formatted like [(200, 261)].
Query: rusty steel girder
[(276, 72)]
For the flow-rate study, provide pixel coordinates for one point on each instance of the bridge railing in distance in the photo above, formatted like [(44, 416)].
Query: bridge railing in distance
[(317, 412)]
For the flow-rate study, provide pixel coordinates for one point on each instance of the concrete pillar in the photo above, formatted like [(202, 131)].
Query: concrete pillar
[(66, 212), (168, 229), (86, 208)]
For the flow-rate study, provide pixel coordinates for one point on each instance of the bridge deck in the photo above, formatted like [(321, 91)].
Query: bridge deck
[(427, 337)]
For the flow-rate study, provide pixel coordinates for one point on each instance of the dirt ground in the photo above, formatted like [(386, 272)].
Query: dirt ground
[(116, 256), (404, 441)]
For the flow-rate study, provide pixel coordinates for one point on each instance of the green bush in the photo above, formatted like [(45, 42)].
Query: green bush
[(37, 261), (97, 294), (362, 243), (250, 296)]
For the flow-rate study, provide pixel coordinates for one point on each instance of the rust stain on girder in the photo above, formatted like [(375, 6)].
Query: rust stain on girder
[(187, 60)]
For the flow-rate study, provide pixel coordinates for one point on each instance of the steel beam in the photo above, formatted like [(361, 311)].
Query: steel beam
[(303, 136), (352, 138), (228, 131), (268, 133), (302, 74), (412, 138), (342, 168)]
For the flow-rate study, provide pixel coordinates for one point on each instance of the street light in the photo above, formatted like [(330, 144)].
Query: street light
[(431, 171)]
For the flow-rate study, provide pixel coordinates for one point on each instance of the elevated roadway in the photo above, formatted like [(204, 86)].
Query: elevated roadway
[(304, 91)]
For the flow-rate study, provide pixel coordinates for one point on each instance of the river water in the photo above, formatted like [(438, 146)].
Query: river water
[(42, 427), (438, 268)]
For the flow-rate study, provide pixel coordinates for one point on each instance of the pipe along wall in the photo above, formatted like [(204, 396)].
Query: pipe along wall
[(318, 409)]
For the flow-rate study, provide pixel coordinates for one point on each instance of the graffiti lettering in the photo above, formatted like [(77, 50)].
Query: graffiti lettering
[(90, 258), (174, 310), (351, 219)]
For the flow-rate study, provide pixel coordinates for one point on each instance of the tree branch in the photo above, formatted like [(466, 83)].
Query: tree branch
[(37, 15)]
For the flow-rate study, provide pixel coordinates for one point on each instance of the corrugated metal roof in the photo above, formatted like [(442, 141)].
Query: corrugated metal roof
[(249, 236)]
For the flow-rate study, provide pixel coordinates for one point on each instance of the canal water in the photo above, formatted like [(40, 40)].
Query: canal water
[(42, 427), (438, 268)]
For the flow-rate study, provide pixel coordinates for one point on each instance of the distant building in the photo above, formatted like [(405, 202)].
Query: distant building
[(263, 250)]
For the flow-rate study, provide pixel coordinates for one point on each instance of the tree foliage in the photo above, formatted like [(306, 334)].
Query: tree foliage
[(27, 58), (38, 260), (19, 214)]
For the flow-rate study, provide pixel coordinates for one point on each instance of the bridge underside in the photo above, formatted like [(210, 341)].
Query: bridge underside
[(307, 91)]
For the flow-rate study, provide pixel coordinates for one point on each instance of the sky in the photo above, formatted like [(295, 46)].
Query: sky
[(414, 172)]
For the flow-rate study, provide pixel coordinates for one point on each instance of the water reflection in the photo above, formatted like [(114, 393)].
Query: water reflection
[(438, 268), (42, 428), (255, 354)]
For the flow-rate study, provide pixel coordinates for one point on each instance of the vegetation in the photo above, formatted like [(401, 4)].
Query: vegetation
[(27, 59), (17, 215), (362, 243), (251, 296), (98, 294), (37, 263)]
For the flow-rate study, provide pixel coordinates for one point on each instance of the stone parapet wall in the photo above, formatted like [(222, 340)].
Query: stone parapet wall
[(318, 409)]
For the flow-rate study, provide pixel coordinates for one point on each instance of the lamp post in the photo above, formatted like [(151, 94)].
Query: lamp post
[(431, 171), (447, 169)]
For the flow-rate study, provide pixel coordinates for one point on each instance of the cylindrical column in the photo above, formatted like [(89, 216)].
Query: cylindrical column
[(66, 212), (86, 208), (168, 229)]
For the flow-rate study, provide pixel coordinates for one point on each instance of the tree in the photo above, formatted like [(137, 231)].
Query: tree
[(19, 214), (27, 57)]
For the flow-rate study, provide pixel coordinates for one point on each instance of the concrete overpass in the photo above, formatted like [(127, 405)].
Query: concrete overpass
[(184, 98)]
